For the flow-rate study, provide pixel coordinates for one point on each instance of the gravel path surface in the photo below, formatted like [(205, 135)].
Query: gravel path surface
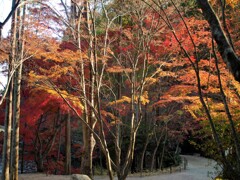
[(198, 168)]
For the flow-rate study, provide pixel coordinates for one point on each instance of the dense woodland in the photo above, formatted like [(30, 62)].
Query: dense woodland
[(120, 86)]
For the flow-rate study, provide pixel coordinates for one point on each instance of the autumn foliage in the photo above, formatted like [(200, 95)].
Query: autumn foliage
[(140, 74)]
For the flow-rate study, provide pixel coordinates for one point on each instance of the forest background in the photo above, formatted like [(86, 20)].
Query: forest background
[(120, 85)]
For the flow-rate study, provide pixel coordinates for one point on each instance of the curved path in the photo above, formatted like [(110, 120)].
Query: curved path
[(198, 168)]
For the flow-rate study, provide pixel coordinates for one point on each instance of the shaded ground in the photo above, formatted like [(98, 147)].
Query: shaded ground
[(198, 168)]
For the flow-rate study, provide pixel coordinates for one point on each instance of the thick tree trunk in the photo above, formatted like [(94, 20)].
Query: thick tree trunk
[(91, 88), (7, 136), (224, 47), (7, 169), (15, 136), (17, 96)]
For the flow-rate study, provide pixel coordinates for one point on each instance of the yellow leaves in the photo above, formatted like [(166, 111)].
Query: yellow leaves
[(232, 3), (46, 49), (67, 55), (119, 101), (119, 69), (57, 71), (74, 100), (71, 98), (236, 86), (51, 56), (71, 56), (192, 110), (167, 74), (143, 99), (150, 81), (34, 78)]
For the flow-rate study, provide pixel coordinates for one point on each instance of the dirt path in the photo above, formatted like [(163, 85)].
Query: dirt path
[(198, 168)]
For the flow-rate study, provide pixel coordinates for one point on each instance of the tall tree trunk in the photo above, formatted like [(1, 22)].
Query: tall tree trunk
[(17, 95), (89, 143), (7, 136), (117, 125), (87, 88), (9, 107), (124, 169), (16, 118), (118, 151), (86, 161), (68, 145)]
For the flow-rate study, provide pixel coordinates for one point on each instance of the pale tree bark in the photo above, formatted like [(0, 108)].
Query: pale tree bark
[(6, 170), (79, 24), (17, 96), (224, 46), (89, 89), (7, 136), (78, 27)]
